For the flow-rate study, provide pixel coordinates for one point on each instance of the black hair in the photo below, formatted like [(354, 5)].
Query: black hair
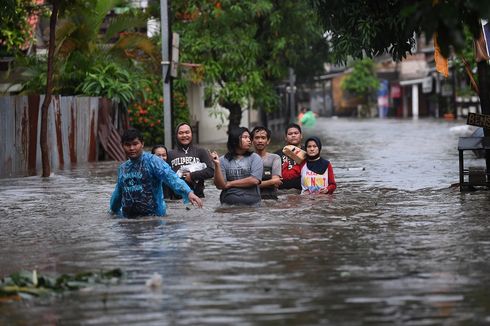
[(292, 125), (261, 128), (234, 140), (130, 135), (153, 149)]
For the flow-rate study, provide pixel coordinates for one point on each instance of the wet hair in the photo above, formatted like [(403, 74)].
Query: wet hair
[(234, 139), (130, 135), (261, 128), (292, 125), (154, 148)]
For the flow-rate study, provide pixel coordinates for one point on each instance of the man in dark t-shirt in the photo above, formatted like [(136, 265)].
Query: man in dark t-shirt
[(192, 163)]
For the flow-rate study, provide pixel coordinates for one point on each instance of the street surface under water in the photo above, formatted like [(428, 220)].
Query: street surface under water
[(395, 244)]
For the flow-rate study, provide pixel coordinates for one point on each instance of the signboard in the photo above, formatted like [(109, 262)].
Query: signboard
[(427, 85), (479, 120)]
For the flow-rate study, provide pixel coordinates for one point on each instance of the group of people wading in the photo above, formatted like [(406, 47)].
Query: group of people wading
[(243, 176)]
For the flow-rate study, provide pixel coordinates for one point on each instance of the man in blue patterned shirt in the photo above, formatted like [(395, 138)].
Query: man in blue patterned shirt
[(138, 189)]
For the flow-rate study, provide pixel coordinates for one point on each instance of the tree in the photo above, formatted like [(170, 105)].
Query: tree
[(370, 28), (362, 80), (74, 40), (246, 47), (14, 27)]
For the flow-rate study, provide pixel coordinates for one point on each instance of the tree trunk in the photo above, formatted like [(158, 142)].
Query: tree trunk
[(235, 117), (49, 90), (484, 87)]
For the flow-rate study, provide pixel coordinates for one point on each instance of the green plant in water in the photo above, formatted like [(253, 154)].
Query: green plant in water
[(28, 284)]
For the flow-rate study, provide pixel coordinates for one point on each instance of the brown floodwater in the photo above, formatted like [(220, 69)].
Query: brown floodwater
[(395, 244)]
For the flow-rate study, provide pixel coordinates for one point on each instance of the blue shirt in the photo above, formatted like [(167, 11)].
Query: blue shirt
[(138, 189)]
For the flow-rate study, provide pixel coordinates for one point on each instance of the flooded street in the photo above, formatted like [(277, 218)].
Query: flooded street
[(395, 244)]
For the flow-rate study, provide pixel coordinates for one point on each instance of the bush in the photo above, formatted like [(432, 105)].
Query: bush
[(113, 81), (146, 113)]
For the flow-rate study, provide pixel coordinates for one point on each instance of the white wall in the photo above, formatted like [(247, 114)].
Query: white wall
[(213, 122)]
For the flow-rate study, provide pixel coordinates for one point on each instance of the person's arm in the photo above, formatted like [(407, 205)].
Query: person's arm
[(170, 178), (115, 203), (167, 176), (332, 185), (275, 181), (257, 169), (219, 179), (243, 183)]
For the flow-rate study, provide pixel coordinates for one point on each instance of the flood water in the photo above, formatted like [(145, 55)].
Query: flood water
[(395, 244)]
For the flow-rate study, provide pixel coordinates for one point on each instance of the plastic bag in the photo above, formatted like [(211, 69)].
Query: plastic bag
[(191, 168)]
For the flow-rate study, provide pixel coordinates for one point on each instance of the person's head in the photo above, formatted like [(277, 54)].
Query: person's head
[(133, 143), (313, 147), (238, 142), (183, 133), (261, 137), (160, 151), (293, 134), (303, 109)]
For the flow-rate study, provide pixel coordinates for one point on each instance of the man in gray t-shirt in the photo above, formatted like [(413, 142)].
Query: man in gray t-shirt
[(271, 178)]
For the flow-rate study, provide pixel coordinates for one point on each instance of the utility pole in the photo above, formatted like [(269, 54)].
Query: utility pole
[(166, 78), (292, 92)]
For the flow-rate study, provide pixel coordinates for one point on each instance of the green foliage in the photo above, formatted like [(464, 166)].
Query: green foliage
[(113, 81), (362, 80), (14, 26), (146, 112), (370, 28), (468, 54), (247, 46), (81, 56), (27, 284), (34, 73)]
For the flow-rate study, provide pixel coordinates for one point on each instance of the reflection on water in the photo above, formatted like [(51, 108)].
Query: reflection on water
[(394, 245)]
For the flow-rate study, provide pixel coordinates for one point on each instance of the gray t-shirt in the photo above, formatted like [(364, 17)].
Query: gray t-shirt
[(245, 167), (272, 166)]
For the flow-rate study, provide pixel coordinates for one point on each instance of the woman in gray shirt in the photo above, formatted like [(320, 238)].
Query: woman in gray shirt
[(238, 173)]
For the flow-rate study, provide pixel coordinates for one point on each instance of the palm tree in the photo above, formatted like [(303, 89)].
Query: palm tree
[(78, 35)]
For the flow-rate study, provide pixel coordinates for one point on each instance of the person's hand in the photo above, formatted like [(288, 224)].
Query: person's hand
[(196, 201), (326, 191), (285, 165), (187, 177), (215, 158), (277, 182)]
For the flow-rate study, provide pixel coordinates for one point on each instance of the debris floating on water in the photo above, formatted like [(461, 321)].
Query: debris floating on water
[(155, 281)]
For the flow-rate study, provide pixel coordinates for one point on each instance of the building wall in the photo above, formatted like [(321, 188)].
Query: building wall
[(212, 122)]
